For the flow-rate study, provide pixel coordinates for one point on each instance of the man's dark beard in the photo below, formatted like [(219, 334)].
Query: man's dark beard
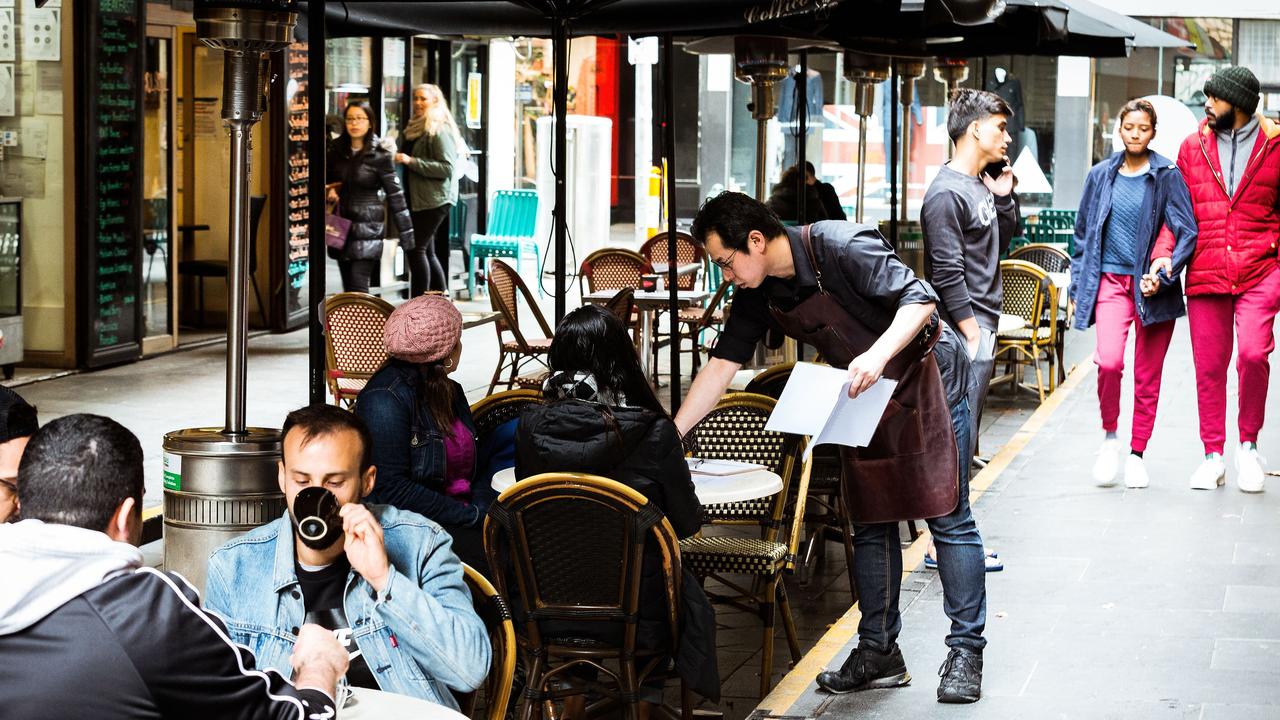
[(1225, 121)]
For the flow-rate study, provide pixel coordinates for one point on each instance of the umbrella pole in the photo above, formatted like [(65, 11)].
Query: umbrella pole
[(559, 217), (762, 141), (669, 141), (316, 135)]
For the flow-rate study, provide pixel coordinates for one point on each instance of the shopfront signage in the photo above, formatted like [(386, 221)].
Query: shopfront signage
[(776, 9), (109, 85)]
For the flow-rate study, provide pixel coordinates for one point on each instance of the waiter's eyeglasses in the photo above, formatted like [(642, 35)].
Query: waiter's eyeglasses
[(727, 263)]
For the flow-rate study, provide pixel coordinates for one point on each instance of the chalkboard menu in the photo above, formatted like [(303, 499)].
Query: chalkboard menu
[(109, 87), (293, 186)]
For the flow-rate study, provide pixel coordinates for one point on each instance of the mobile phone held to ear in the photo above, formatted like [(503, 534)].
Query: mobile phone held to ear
[(994, 169)]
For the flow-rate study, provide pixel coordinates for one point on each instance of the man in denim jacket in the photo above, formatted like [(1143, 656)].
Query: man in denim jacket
[(387, 582)]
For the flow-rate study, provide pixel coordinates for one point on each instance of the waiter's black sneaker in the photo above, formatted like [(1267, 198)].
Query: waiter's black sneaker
[(866, 669), (961, 677)]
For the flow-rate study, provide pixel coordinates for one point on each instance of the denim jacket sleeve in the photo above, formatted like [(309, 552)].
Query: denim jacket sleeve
[(390, 421), (435, 619)]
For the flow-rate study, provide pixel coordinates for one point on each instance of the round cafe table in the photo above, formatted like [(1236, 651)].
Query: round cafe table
[(710, 489), (366, 704)]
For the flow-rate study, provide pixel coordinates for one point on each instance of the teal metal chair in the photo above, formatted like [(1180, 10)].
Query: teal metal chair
[(1053, 227), (457, 230), (512, 220)]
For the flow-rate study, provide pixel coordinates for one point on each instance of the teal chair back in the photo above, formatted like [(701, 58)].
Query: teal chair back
[(515, 213)]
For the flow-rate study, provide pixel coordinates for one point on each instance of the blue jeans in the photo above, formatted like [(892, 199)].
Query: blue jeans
[(877, 565)]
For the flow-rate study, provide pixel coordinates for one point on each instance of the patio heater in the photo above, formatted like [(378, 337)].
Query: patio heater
[(761, 62), (909, 70), (951, 72), (865, 72), (221, 482)]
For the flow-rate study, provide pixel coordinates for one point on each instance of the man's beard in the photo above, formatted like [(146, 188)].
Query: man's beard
[(1225, 121)]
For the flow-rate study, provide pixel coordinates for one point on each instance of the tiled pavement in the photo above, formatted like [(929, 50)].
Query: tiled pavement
[(1135, 604)]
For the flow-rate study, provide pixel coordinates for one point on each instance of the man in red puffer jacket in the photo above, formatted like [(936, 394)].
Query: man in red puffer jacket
[(1232, 167)]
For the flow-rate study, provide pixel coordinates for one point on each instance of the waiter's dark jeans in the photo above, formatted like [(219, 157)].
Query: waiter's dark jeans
[(877, 564)]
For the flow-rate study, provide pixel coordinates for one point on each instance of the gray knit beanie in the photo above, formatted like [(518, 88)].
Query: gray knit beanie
[(1237, 85)]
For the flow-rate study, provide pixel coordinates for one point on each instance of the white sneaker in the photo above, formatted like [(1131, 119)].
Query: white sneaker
[(1250, 476), (1108, 463), (1211, 473), (1135, 472)]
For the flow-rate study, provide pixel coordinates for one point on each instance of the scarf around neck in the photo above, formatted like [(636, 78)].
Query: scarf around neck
[(416, 128), (580, 385)]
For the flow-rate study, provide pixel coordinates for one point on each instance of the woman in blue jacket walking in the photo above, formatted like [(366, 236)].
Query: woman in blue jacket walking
[(1126, 273)]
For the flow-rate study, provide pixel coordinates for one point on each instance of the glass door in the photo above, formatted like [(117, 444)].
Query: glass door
[(157, 220)]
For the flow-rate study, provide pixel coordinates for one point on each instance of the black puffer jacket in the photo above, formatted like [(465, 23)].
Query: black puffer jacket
[(364, 176), (645, 454)]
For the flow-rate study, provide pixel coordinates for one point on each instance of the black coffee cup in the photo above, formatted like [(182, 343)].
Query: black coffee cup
[(315, 518)]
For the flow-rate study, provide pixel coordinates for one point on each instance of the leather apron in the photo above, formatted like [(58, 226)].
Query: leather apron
[(910, 468)]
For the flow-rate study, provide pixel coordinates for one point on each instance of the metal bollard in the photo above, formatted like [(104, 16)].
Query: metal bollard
[(216, 487)]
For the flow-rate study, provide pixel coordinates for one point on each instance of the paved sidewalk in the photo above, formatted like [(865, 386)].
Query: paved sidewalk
[(1134, 604)]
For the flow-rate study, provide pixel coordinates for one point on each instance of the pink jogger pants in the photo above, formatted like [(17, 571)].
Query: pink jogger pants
[(1211, 318), (1114, 313)]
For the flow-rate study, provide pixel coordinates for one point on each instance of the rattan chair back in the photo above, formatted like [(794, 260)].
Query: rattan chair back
[(353, 343), (506, 289), (613, 269), (1024, 290), (622, 304), (496, 615), (499, 408), (734, 430), (657, 250), (1050, 257), (771, 381), (570, 547)]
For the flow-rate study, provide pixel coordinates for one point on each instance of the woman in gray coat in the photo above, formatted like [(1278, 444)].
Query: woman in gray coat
[(433, 149)]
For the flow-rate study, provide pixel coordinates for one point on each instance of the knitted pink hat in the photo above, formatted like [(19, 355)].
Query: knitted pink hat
[(423, 330)]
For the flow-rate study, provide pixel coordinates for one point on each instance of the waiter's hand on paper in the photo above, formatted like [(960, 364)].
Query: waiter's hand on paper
[(864, 371)]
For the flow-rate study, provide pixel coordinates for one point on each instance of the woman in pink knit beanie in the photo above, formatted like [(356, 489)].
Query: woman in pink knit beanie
[(424, 443)]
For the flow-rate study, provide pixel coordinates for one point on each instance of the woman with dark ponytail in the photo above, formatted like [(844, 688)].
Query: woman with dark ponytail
[(424, 445)]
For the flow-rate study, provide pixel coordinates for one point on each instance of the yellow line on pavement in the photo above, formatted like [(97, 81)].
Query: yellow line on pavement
[(153, 511), (794, 685)]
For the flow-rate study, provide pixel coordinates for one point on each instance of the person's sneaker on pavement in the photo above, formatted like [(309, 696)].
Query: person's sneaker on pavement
[(866, 669), (1108, 463), (1211, 473), (1250, 475), (961, 677), (1135, 472)]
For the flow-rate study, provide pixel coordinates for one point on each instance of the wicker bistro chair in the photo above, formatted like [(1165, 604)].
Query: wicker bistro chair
[(576, 548), (1026, 293), (613, 269), (623, 304), (734, 430), (353, 344), (828, 518), (691, 323), (494, 410), (505, 291), (656, 250), (1053, 259), (493, 610)]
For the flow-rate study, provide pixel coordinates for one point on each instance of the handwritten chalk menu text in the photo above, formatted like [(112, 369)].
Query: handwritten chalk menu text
[(298, 212), (109, 86)]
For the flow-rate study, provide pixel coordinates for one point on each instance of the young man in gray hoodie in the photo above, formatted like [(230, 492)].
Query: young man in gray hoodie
[(969, 218)]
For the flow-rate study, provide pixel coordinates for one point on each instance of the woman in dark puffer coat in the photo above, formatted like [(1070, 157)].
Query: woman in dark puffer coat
[(603, 418), (363, 166)]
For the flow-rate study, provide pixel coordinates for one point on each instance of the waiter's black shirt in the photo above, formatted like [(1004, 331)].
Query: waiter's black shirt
[(861, 271), (322, 592)]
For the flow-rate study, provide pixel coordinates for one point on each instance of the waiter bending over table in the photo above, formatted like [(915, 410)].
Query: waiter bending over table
[(839, 287)]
